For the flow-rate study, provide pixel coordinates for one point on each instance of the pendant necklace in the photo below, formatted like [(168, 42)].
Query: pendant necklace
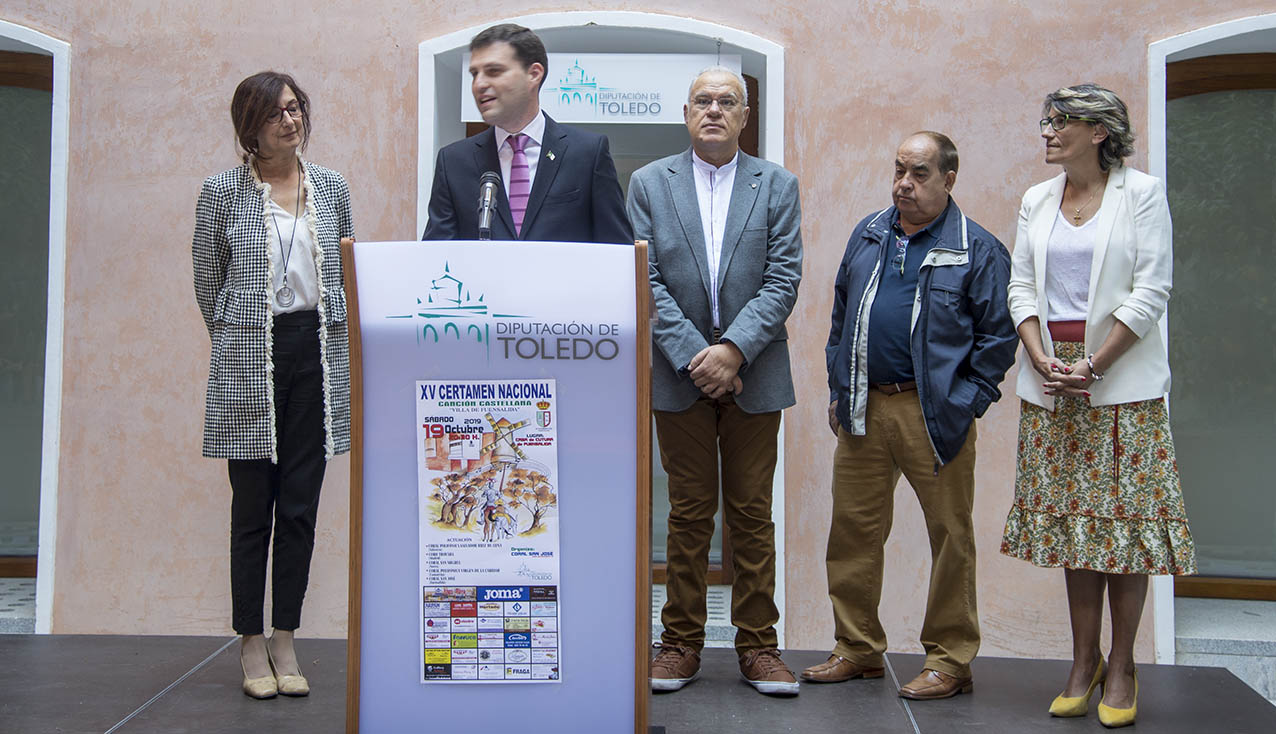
[(1076, 218), (285, 296)]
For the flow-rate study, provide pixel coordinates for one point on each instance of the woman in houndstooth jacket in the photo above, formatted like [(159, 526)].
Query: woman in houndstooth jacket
[(278, 400)]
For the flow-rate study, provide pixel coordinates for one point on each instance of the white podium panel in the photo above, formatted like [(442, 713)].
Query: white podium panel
[(470, 312)]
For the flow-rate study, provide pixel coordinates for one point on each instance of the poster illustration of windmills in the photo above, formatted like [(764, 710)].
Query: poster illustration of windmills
[(487, 495)]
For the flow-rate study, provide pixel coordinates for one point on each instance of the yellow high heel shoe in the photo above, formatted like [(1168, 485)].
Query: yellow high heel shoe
[(1064, 706), (1113, 717)]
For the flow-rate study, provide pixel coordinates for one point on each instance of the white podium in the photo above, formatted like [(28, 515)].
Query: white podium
[(466, 311)]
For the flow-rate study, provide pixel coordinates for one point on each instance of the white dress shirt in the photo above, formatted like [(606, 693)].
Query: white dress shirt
[(535, 132), (713, 192)]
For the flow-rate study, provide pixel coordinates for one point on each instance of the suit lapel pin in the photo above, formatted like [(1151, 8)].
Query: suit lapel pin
[(549, 155)]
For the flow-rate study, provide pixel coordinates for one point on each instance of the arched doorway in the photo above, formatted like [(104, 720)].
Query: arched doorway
[(1212, 104), (762, 64)]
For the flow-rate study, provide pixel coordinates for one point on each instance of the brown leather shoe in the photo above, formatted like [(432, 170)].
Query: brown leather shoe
[(837, 669), (766, 672), (932, 684), (673, 667)]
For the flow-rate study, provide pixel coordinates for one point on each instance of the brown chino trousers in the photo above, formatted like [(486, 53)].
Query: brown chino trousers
[(689, 446), (865, 471)]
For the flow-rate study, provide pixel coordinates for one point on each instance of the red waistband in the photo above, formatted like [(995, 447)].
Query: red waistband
[(1067, 331)]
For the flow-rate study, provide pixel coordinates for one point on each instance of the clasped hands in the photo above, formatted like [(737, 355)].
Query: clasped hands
[(715, 369), (1069, 380)]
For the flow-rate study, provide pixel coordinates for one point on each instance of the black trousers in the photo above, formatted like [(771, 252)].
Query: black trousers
[(288, 491)]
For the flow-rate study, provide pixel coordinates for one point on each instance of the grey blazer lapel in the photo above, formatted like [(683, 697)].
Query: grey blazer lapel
[(485, 159), (682, 190), (744, 194)]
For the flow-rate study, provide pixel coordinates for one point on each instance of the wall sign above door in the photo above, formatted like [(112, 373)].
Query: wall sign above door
[(628, 88)]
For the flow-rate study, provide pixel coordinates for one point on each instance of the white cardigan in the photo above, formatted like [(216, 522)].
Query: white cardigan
[(1129, 281)]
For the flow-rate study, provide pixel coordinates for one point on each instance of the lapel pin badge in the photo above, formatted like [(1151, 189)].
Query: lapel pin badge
[(550, 155)]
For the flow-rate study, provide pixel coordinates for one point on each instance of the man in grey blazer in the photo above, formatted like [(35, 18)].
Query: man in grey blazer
[(725, 249)]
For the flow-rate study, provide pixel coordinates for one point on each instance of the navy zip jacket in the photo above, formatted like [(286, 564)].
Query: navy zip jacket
[(962, 339)]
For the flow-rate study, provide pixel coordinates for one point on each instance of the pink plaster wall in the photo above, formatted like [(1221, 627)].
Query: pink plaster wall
[(143, 520)]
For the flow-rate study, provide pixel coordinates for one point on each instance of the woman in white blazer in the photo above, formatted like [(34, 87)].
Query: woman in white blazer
[(267, 265), (1097, 489)]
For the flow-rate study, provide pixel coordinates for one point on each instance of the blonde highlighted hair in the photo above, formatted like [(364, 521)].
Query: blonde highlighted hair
[(1102, 105)]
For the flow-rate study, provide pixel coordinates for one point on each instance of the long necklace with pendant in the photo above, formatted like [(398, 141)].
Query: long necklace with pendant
[(286, 296)]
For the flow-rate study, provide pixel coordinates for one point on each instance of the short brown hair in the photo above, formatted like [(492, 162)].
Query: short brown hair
[(255, 99), (528, 48)]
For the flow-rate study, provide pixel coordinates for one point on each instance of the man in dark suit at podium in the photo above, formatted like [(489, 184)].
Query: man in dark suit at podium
[(725, 251), (558, 183)]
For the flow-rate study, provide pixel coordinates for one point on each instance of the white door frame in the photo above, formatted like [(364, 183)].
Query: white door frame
[(1234, 36), (771, 143), (18, 37)]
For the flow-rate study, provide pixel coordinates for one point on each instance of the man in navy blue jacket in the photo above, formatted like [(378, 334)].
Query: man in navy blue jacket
[(921, 337), (560, 180)]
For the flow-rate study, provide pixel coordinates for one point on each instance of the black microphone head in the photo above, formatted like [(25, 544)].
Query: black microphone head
[(489, 184)]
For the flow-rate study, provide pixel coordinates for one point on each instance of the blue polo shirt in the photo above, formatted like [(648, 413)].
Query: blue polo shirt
[(890, 320)]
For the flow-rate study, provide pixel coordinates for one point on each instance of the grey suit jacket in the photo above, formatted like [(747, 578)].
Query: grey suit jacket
[(757, 278)]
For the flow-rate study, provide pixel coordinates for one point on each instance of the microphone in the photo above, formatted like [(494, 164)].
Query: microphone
[(487, 203)]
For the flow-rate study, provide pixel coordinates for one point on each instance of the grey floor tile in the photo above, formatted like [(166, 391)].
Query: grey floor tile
[(211, 701), (1236, 619), (16, 626), (17, 605), (1225, 626), (87, 683)]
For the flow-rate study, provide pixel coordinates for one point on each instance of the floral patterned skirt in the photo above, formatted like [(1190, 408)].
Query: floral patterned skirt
[(1097, 488)]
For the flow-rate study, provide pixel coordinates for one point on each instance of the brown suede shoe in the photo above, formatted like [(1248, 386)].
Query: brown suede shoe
[(932, 684), (673, 667), (837, 669), (766, 672)]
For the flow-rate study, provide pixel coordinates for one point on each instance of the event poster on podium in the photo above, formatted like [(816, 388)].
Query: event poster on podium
[(546, 339), (487, 493)]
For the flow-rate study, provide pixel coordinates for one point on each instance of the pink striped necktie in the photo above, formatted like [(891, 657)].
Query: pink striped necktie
[(520, 182)]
